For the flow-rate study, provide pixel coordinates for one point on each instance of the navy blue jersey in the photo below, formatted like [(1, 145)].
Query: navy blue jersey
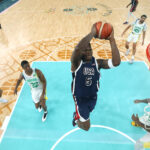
[(86, 79), (134, 2)]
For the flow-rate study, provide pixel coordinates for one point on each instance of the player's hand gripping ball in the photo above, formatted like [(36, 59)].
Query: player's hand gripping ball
[(103, 30)]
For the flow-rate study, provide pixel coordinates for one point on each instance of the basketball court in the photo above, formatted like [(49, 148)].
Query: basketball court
[(45, 33), (111, 119)]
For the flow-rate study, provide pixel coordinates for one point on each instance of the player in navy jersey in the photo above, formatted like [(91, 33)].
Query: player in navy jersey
[(85, 72), (133, 4)]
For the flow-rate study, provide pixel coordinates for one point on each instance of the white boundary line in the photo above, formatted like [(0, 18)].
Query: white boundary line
[(10, 6), (96, 126), (12, 112)]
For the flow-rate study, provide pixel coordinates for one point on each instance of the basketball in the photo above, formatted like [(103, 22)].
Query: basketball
[(148, 52), (103, 30)]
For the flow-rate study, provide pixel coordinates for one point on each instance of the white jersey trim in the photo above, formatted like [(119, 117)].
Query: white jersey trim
[(75, 75)]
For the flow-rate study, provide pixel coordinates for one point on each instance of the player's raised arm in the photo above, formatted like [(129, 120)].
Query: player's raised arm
[(80, 48), (18, 83), (115, 61)]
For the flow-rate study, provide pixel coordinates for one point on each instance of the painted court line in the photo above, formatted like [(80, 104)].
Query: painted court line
[(12, 112), (95, 126)]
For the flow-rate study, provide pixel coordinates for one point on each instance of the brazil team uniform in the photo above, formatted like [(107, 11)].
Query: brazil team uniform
[(35, 85), (85, 86), (145, 140), (137, 29)]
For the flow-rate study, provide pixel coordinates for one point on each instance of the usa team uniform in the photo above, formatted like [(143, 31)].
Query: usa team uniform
[(85, 86)]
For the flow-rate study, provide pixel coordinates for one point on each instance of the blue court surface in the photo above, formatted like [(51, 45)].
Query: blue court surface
[(4, 4), (111, 119)]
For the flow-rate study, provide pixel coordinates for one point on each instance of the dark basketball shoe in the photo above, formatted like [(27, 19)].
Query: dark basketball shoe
[(44, 116), (125, 22), (40, 108), (74, 121)]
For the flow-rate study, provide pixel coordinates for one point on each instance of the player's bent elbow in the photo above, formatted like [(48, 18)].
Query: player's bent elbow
[(116, 63)]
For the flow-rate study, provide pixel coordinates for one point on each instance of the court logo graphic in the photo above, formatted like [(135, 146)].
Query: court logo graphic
[(82, 10)]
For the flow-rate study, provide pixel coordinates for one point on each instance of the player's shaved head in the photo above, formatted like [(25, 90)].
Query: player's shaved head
[(24, 62)]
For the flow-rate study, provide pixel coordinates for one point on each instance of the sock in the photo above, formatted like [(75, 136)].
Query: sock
[(132, 56), (133, 16), (45, 112), (129, 14)]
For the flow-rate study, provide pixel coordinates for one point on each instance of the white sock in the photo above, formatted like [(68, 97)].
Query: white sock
[(132, 56), (133, 16), (129, 14)]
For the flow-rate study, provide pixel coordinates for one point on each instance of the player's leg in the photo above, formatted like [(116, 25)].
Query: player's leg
[(135, 39), (43, 104), (81, 116), (36, 94), (127, 47), (133, 53), (129, 39), (36, 99), (127, 21), (84, 125), (36, 105), (1, 92)]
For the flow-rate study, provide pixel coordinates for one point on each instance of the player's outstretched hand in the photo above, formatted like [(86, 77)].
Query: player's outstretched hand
[(137, 101), (15, 92), (111, 37)]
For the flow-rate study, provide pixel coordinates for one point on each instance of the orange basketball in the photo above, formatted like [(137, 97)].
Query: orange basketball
[(103, 30)]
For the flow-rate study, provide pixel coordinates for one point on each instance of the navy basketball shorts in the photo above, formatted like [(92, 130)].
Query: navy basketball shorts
[(132, 9), (84, 106)]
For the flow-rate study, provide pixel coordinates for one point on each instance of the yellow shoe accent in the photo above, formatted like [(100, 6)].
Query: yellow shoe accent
[(134, 124), (46, 98), (147, 145)]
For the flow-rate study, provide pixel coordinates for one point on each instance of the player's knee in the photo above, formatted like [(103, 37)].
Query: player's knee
[(87, 128), (84, 125), (36, 106)]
